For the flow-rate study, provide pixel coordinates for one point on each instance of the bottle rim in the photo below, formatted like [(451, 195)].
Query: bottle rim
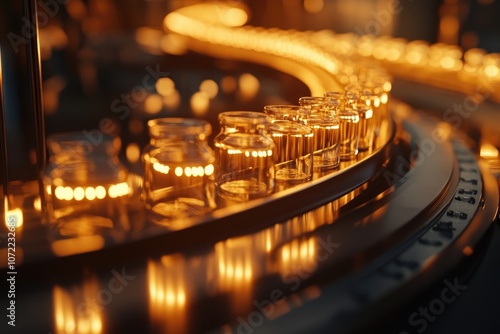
[(243, 117), (176, 126), (80, 142), (289, 127), (328, 101)]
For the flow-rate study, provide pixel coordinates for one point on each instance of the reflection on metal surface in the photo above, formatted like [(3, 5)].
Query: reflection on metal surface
[(488, 151), (77, 310), (297, 256), (83, 244), (179, 283), (237, 265), (168, 280)]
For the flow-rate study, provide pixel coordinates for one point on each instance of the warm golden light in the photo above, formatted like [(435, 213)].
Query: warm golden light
[(228, 84), (173, 100), (168, 293), (173, 44), (13, 217), (118, 190), (66, 247), (313, 6), (234, 262), (79, 193), (468, 251), (492, 71), (37, 204), (209, 169), (59, 191), (67, 193), (235, 17), (249, 85), (384, 98), (414, 57), (149, 38), (210, 88), (90, 193), (165, 86), (100, 192), (153, 104), (161, 168), (298, 255), (189, 22), (76, 311), (199, 103), (217, 14), (488, 151), (133, 152), (447, 62), (216, 25)]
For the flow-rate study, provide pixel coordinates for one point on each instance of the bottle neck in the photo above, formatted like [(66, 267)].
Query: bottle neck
[(173, 140), (244, 128), (243, 122), (75, 148), (178, 130)]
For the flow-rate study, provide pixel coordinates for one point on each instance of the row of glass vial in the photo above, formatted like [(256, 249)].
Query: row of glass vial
[(319, 132), (252, 151), (182, 173)]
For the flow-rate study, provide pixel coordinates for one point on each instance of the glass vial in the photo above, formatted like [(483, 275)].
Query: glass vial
[(324, 122), (85, 185), (178, 168), (366, 127), (244, 156), (293, 141), (349, 133)]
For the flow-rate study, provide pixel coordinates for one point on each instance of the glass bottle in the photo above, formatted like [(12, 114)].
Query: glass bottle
[(178, 168), (349, 133), (294, 142), (366, 126), (85, 185), (324, 121), (244, 155)]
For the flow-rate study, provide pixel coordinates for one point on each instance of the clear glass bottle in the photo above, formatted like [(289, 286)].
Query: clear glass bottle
[(244, 155), (178, 168), (324, 121), (349, 134), (366, 127), (294, 142), (85, 185)]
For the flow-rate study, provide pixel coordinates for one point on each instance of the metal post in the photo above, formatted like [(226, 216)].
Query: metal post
[(4, 167), (35, 81)]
